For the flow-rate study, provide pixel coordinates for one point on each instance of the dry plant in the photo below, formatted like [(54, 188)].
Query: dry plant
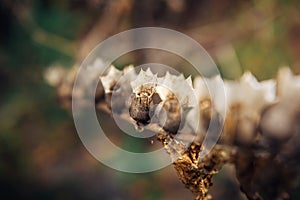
[(260, 136)]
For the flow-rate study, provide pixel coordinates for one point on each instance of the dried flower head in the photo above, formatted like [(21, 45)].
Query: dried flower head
[(141, 102), (170, 114)]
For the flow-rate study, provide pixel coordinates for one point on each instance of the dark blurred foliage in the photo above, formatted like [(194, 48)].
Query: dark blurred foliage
[(41, 156)]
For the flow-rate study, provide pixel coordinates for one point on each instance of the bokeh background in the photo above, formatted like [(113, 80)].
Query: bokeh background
[(41, 156)]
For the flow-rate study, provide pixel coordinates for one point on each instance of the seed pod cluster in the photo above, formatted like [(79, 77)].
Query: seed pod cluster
[(163, 98), (261, 126)]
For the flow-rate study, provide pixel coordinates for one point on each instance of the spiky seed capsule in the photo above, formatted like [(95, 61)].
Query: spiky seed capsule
[(246, 131), (172, 113), (141, 103), (277, 122)]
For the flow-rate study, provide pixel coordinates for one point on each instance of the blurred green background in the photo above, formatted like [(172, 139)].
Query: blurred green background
[(41, 156)]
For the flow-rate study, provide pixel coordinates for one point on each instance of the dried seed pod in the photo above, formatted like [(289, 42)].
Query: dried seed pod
[(246, 99), (277, 122), (122, 90), (170, 114), (246, 131), (143, 97), (141, 102), (251, 95), (109, 81), (182, 88), (290, 151), (180, 104)]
